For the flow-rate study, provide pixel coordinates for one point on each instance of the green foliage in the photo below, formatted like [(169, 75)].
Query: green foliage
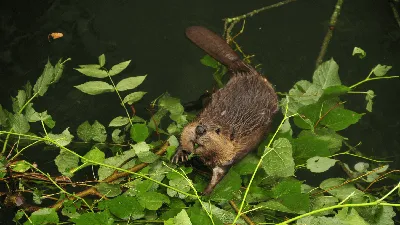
[(136, 183)]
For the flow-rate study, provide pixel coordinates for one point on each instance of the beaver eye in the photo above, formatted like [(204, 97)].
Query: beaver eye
[(218, 130)]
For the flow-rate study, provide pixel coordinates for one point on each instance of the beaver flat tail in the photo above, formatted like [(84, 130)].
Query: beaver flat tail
[(217, 48)]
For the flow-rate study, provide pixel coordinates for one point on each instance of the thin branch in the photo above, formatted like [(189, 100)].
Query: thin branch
[(244, 216)]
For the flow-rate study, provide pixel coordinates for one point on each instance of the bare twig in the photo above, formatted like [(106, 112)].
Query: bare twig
[(244, 216), (328, 36), (395, 13)]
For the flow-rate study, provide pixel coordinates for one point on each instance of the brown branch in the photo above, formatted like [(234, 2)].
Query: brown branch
[(329, 34), (395, 13), (116, 175), (244, 216)]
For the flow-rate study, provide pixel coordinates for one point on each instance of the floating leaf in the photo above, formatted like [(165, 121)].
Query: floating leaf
[(95, 87), (66, 161), (278, 161), (152, 200), (134, 97), (92, 71), (130, 83), (326, 75), (116, 69), (318, 164), (381, 70), (139, 132), (358, 51), (42, 84), (102, 60), (119, 121)]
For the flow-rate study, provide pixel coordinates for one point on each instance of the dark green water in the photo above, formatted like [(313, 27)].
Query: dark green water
[(285, 40)]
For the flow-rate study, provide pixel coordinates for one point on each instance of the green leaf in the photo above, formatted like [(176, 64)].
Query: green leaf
[(70, 207), (278, 161), (318, 164), (152, 200), (337, 188), (43, 82), (92, 71), (319, 202), (59, 69), (119, 121), (116, 137), (102, 60), (95, 87), (198, 216), (289, 193), (247, 165), (115, 161), (381, 70), (130, 83), (20, 166), (335, 91), (350, 217), (62, 139), (84, 131), (312, 220), (3, 117), (99, 132), (118, 68), (95, 155), (326, 75), (275, 206), (139, 132), (43, 216), (181, 219), (91, 218), (306, 147), (228, 187), (109, 190), (66, 161), (19, 123), (303, 93), (28, 90), (370, 95), (209, 61), (134, 97), (181, 184), (358, 51), (19, 101), (125, 207), (340, 119), (143, 152), (173, 105)]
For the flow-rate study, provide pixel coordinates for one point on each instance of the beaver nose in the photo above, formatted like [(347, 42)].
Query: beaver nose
[(200, 130)]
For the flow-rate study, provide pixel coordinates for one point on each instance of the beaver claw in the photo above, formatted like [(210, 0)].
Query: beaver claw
[(180, 156)]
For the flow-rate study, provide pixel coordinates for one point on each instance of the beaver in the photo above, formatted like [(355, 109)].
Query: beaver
[(237, 117)]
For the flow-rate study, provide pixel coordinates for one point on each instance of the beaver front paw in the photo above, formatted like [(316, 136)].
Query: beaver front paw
[(180, 156)]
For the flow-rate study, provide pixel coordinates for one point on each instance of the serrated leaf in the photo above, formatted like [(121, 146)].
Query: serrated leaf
[(91, 218), (84, 131), (95, 87), (125, 207), (65, 161), (303, 93), (358, 51), (278, 161), (109, 190), (339, 119), (102, 60), (381, 70), (130, 83), (20, 166), (318, 164), (62, 139), (43, 82), (95, 155), (116, 137), (139, 132), (152, 200), (99, 132), (327, 75), (134, 97), (92, 71), (119, 121), (118, 68), (19, 123), (43, 216)]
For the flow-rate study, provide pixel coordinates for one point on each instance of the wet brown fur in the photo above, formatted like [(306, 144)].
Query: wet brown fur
[(238, 116)]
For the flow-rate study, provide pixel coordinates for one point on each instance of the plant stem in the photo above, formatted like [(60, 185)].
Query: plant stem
[(329, 34), (395, 13), (369, 79)]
